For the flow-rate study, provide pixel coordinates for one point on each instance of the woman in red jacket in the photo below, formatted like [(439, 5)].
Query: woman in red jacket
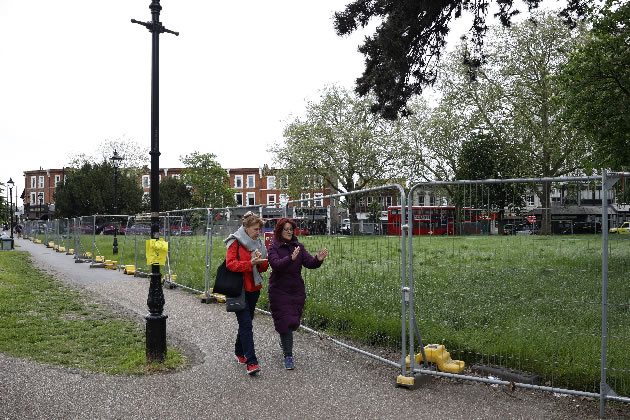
[(251, 261)]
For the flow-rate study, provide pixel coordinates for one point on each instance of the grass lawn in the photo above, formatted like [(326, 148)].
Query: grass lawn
[(526, 302), (44, 320)]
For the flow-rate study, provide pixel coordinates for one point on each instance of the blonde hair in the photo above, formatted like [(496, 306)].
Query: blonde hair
[(251, 218)]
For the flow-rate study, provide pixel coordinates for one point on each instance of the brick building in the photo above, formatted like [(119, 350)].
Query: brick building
[(39, 191)]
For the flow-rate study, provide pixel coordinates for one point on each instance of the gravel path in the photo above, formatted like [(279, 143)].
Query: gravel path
[(328, 382)]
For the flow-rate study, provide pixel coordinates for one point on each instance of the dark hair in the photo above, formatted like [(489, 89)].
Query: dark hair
[(277, 232)]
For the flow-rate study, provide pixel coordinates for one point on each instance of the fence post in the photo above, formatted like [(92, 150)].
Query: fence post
[(602, 383)]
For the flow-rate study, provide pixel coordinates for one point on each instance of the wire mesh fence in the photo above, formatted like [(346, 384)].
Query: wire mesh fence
[(519, 275), (518, 286)]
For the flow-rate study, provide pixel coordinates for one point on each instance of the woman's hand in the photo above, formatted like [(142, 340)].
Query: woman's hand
[(257, 258), (296, 251), (321, 254)]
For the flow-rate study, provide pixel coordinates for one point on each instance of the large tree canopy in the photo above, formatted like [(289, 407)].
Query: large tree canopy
[(90, 190), (340, 142), (208, 180), (400, 57), (597, 86)]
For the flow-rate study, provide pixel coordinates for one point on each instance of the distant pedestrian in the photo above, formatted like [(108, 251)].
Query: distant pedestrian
[(287, 294), (251, 261)]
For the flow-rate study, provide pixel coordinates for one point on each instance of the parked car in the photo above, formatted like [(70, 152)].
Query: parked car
[(527, 230), (624, 229), (508, 229)]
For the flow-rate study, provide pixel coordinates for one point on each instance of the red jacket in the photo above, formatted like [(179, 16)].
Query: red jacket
[(244, 265)]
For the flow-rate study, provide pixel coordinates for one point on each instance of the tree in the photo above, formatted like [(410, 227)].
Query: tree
[(90, 190), (400, 57), (485, 157), (208, 180), (340, 142), (596, 82), (174, 195), (514, 97)]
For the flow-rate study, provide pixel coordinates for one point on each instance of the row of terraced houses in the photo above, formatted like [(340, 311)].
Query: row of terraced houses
[(252, 186)]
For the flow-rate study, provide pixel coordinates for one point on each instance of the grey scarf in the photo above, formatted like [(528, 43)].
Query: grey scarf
[(251, 245)]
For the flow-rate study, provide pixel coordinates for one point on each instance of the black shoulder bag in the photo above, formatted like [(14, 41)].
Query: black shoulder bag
[(228, 283)]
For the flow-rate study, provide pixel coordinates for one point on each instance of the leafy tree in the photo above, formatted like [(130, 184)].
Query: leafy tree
[(596, 82), (340, 142), (90, 190), (174, 195), (485, 157), (400, 57), (208, 180), (514, 97)]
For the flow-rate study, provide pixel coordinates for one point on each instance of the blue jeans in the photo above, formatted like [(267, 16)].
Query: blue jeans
[(245, 339)]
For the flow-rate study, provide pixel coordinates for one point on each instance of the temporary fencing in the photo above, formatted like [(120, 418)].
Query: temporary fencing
[(531, 306), (481, 267)]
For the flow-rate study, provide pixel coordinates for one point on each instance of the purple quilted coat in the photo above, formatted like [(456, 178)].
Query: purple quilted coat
[(286, 287)]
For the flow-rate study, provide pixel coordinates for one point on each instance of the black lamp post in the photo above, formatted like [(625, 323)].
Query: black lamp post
[(41, 205), (115, 159), (10, 184), (156, 320)]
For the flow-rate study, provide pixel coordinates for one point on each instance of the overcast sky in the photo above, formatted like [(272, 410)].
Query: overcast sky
[(77, 72)]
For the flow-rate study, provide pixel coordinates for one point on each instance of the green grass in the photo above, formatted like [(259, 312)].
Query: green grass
[(47, 321), (526, 302)]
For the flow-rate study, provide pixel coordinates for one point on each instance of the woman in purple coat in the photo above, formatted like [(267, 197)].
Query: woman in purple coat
[(286, 287)]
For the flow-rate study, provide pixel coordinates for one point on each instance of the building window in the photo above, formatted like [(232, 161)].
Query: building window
[(41, 182), (388, 201), (271, 199), (57, 179), (33, 199), (283, 199), (238, 181), (239, 199), (319, 202), (40, 197), (271, 183), (33, 182), (432, 200), (251, 181), (306, 196), (176, 176), (530, 199), (251, 197), (146, 181)]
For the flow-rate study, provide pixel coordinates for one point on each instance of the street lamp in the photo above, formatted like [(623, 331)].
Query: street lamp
[(156, 319), (115, 159), (10, 184)]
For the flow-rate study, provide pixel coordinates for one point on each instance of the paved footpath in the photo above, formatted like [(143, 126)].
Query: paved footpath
[(328, 382)]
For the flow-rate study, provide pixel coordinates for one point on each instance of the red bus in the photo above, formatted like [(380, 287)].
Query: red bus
[(439, 220)]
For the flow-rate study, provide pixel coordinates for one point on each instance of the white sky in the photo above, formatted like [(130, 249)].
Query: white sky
[(77, 72)]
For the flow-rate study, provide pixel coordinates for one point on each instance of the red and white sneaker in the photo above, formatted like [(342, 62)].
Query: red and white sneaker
[(240, 359), (253, 369)]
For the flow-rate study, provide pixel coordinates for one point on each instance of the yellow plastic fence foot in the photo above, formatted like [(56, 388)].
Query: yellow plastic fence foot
[(412, 381), (99, 259), (61, 249), (130, 269), (51, 244), (436, 353), (170, 280), (111, 265)]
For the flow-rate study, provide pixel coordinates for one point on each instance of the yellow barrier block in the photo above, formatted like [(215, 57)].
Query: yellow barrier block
[(71, 251), (56, 247), (170, 277), (436, 353), (39, 241), (405, 380), (61, 249), (51, 244), (130, 269), (87, 254), (99, 259), (219, 297)]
